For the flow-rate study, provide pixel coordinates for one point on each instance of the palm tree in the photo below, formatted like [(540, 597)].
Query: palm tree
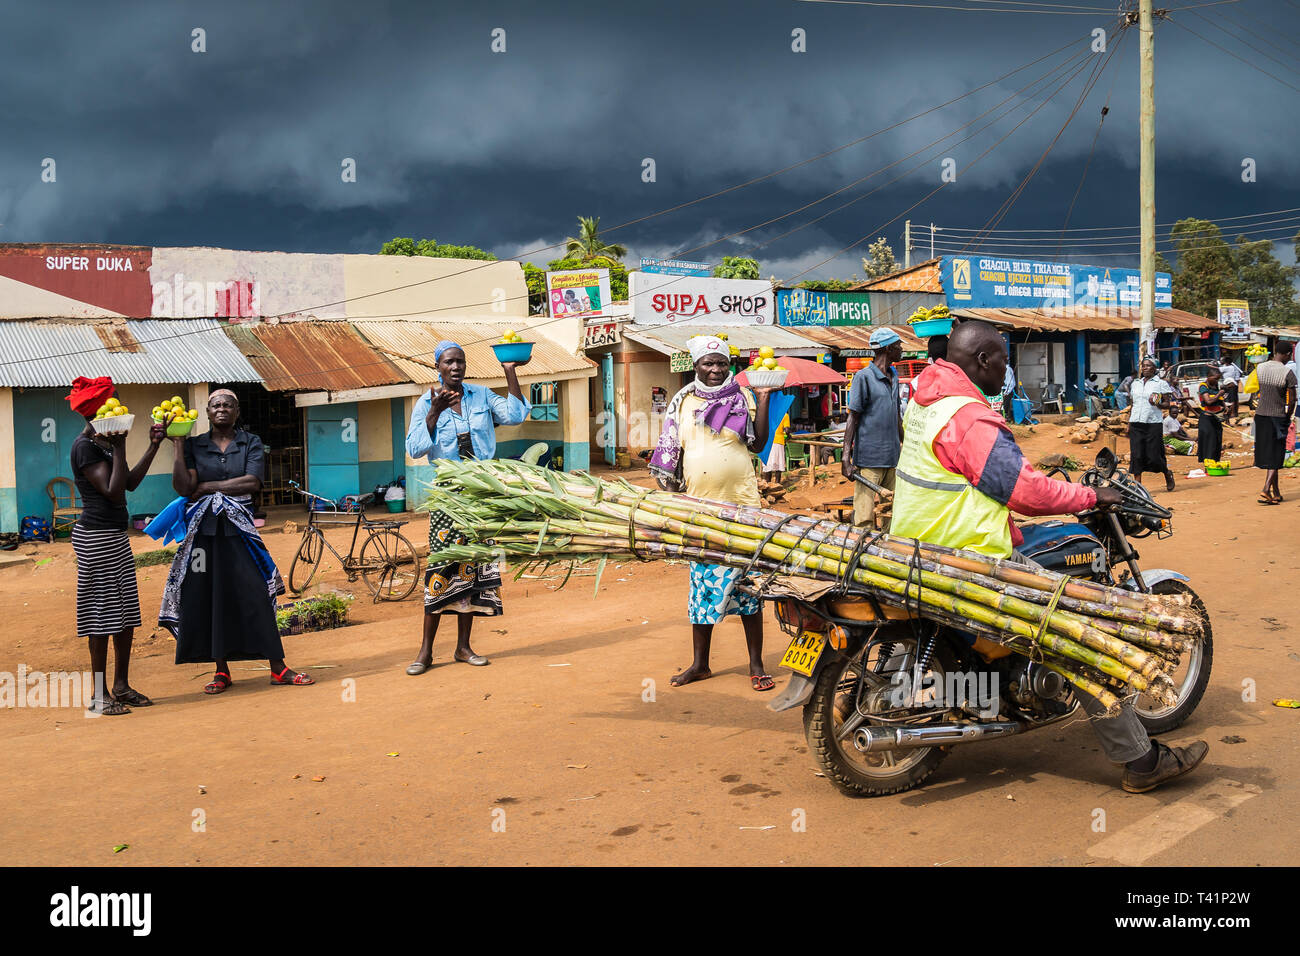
[(588, 244)]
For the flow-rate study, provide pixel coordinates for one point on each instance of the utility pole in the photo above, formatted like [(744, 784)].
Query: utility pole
[(933, 230), (1147, 174), (907, 244)]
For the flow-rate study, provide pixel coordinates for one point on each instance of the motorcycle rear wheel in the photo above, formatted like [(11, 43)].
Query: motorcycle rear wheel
[(851, 772), (1191, 678)]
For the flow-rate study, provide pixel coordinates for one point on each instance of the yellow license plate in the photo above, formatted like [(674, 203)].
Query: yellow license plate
[(802, 654)]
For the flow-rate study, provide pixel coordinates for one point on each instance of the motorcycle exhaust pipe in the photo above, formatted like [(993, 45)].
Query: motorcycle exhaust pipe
[(876, 739)]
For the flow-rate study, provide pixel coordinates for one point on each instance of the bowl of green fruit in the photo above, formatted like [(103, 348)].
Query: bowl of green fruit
[(179, 419), (112, 418), (512, 348), (766, 372)]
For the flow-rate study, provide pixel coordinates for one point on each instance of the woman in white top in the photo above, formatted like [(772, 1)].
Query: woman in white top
[(1149, 397)]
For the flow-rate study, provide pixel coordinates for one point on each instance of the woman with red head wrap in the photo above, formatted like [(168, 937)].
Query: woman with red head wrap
[(108, 604)]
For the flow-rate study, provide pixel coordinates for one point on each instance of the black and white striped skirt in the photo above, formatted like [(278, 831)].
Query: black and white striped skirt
[(107, 599)]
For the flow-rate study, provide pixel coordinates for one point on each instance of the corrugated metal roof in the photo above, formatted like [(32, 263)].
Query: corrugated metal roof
[(922, 277), (410, 343), (858, 336), (326, 356), (1085, 319), (672, 338), (50, 354)]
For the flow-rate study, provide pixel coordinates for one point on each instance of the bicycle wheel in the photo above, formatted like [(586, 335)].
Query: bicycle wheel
[(389, 565), (306, 562)]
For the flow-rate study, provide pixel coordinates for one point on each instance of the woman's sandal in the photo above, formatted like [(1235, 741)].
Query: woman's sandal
[(762, 681), (218, 684), (134, 698), (299, 680), (107, 708), (1267, 500)]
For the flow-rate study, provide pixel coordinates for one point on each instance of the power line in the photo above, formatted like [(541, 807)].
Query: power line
[(1180, 24), (1219, 219), (932, 6), (1101, 242), (882, 226)]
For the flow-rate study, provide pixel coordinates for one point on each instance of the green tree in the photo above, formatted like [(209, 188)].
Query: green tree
[(433, 248), (1162, 264), (1206, 269), (880, 259), (1265, 283), (737, 267), (829, 285), (535, 279), (588, 244)]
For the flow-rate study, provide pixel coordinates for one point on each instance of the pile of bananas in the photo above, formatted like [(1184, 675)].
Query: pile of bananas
[(924, 315)]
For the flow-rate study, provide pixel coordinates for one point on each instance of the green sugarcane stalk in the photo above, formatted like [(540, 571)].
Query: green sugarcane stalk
[(722, 533), (1091, 688)]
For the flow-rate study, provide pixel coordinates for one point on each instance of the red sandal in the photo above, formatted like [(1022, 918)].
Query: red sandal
[(217, 685), (300, 680)]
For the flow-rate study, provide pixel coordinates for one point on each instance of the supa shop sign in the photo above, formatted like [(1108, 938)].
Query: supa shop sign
[(675, 300), (811, 307)]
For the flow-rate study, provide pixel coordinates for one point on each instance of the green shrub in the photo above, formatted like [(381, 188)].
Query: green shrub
[(149, 558)]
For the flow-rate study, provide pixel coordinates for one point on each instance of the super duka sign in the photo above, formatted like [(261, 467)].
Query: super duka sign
[(699, 300)]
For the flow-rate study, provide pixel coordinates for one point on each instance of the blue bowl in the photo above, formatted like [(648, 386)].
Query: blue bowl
[(513, 351), (932, 327)]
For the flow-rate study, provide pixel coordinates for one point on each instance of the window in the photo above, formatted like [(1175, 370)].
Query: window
[(545, 399)]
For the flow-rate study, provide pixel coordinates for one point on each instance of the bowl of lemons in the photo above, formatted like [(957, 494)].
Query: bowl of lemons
[(766, 372), (1219, 468), (512, 348), (179, 419), (112, 418)]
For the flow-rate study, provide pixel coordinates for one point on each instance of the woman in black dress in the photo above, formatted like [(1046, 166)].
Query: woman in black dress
[(221, 591), (108, 602)]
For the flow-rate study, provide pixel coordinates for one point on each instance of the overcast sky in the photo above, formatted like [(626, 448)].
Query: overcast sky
[(241, 146)]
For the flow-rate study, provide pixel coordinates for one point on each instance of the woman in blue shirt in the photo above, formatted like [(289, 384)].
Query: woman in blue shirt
[(458, 421)]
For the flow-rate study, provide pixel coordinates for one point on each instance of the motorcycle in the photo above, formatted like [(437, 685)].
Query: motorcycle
[(886, 693)]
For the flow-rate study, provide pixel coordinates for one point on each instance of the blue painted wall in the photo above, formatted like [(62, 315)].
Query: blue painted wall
[(418, 476), (9, 509), (1076, 370), (577, 456), (399, 437), (332, 460), (37, 460)]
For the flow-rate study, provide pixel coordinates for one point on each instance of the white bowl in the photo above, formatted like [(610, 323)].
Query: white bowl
[(767, 378), (112, 425)]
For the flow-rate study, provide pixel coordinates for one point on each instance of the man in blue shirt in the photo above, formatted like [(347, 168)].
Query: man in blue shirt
[(457, 421), (874, 431)]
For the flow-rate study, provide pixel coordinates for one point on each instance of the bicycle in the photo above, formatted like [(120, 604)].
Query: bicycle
[(387, 562)]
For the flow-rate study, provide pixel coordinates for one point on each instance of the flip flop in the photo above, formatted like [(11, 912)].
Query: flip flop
[(133, 698), (1266, 501), (756, 681)]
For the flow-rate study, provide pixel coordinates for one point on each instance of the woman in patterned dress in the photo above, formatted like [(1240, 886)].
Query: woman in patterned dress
[(457, 421), (711, 430)]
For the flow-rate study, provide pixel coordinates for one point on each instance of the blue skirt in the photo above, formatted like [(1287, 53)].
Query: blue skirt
[(708, 583)]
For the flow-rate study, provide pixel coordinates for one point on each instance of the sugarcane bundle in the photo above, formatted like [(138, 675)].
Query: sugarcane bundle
[(1108, 642)]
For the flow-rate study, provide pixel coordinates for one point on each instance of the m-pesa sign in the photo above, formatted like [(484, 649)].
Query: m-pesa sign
[(699, 300)]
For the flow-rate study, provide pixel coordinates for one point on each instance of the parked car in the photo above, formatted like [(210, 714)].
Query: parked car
[(1190, 377)]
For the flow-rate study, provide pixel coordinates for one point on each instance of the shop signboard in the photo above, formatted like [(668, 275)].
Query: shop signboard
[(985, 282), (1235, 314), (675, 267), (601, 333), (680, 362), (699, 300), (577, 293), (796, 307)]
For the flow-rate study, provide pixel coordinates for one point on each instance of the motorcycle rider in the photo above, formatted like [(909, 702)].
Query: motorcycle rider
[(961, 473)]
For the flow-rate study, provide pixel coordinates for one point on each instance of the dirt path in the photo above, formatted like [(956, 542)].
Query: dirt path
[(562, 746)]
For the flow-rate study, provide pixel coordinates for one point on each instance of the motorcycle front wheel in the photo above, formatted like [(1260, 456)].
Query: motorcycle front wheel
[(833, 702), (1191, 678)]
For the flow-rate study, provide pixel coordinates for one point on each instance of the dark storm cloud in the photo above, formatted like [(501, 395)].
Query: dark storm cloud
[(241, 146)]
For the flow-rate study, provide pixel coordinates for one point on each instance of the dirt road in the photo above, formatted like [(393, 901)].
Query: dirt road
[(572, 747)]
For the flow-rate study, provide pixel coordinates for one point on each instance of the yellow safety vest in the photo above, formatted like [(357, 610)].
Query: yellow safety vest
[(935, 504)]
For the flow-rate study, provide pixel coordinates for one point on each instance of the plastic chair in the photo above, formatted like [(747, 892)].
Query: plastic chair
[(67, 509), (1052, 395), (796, 454)]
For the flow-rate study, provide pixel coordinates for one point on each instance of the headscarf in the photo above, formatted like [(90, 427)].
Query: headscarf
[(723, 406), (89, 393), (443, 346), (702, 345)]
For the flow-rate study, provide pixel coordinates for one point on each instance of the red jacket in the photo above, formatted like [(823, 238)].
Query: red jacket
[(977, 444)]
